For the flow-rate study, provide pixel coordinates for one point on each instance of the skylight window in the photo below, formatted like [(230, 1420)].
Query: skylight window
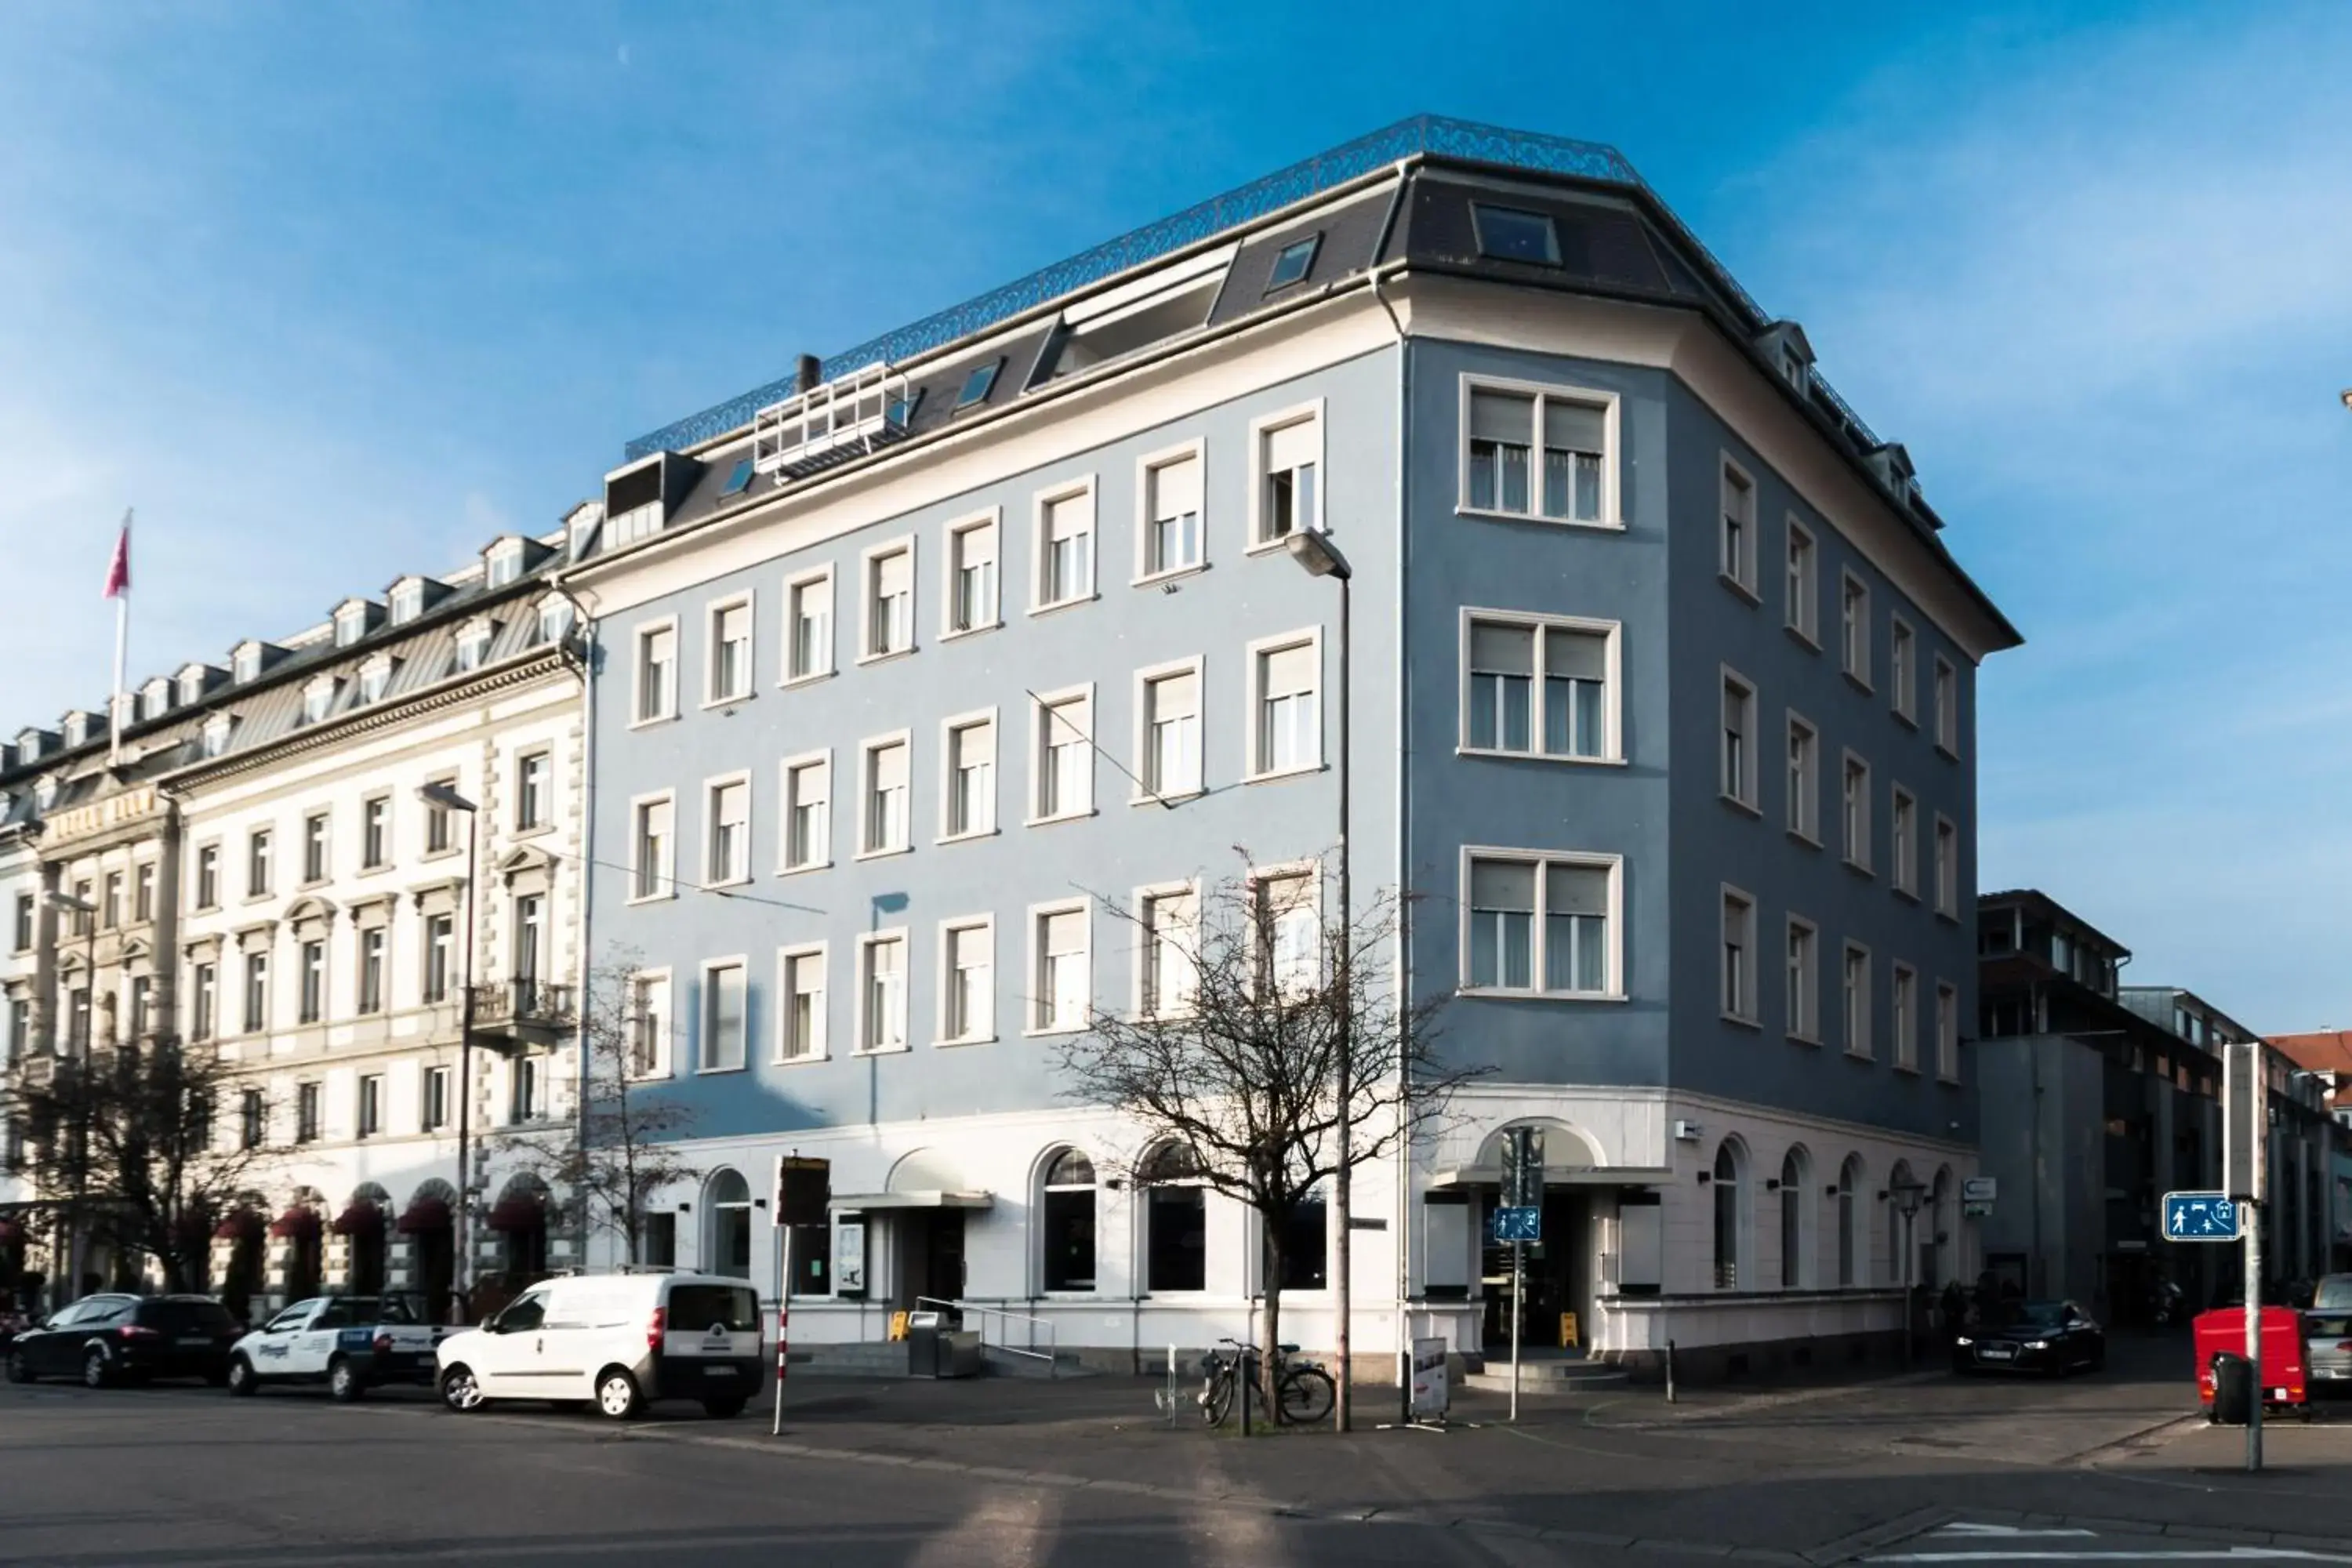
[(979, 383), (901, 412), (1507, 234), (1292, 262), (738, 480)]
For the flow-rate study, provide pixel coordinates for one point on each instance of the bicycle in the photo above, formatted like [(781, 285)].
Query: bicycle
[(1305, 1391)]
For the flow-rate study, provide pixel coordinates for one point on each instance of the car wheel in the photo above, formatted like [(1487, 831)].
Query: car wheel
[(96, 1372), (241, 1381), (723, 1409), (616, 1395), (460, 1391), (19, 1369), (343, 1381)]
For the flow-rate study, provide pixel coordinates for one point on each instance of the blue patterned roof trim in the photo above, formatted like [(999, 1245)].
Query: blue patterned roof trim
[(1423, 135)]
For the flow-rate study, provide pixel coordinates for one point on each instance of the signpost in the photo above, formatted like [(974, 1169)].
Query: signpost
[(1518, 1221), (799, 1197), (2245, 1122), (2201, 1216)]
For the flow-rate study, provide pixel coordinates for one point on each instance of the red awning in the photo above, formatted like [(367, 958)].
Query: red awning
[(360, 1219), (424, 1214), (296, 1224), (517, 1214), (242, 1226)]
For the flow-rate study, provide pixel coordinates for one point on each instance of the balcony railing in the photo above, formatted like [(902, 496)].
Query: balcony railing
[(525, 1008)]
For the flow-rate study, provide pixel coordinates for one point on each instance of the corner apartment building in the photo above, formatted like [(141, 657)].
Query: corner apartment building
[(2327, 1055), (913, 667), (259, 878)]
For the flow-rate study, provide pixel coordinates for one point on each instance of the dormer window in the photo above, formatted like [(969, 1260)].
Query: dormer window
[(77, 729), (554, 620), (192, 685), (29, 745), (474, 645), (46, 792), (506, 563), (350, 624), (375, 679), (246, 663), (319, 699), (155, 698), (407, 603), (216, 733)]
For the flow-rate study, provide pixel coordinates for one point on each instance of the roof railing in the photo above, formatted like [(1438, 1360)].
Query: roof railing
[(850, 415)]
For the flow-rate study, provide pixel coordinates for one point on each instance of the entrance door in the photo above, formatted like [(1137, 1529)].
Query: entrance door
[(1554, 1275), (931, 1255)]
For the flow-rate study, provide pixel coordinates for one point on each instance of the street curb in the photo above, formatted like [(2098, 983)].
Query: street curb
[(1846, 1547), (1754, 1403), (2163, 1430)]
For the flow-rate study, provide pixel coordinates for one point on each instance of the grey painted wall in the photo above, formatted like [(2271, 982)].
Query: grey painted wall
[(2045, 1148)]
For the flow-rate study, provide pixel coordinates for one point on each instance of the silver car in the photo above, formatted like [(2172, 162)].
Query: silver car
[(2327, 1343)]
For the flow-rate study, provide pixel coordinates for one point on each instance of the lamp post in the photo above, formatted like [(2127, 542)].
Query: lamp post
[(87, 913), (1907, 1194), (446, 798), (1321, 558)]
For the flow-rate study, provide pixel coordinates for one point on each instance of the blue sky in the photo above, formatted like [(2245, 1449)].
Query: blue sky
[(336, 293)]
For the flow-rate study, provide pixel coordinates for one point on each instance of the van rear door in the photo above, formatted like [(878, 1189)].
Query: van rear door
[(711, 1342)]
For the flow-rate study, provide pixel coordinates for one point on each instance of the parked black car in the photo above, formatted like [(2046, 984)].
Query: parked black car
[(115, 1339), (2052, 1337)]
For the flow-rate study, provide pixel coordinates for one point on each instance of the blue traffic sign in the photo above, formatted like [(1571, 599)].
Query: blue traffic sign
[(1518, 1223), (2200, 1216)]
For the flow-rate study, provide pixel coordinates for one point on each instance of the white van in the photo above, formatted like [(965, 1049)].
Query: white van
[(618, 1340)]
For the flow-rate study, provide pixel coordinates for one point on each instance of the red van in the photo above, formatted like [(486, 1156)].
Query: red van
[(2285, 1366)]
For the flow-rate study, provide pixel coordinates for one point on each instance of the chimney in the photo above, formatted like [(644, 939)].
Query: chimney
[(811, 375)]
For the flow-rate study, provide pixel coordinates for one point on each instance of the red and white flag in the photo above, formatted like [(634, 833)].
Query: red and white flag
[(117, 571)]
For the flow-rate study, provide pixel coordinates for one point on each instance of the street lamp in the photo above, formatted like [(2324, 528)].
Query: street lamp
[(1907, 1194), (445, 797), (1321, 558)]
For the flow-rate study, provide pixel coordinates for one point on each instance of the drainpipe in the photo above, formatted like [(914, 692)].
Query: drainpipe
[(583, 639)]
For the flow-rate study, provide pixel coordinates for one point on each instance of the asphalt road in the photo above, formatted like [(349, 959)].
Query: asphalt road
[(2090, 1470)]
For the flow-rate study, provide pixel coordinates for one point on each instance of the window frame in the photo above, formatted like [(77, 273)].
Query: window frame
[(1612, 457), (747, 682), (376, 831), (640, 636), (788, 802), (1614, 957), (861, 1021), (943, 982), (1041, 705), (870, 561), (1947, 1032), (1947, 699), (1853, 630), (1862, 829), (1903, 841), (950, 727), (1039, 998), (1612, 693), (1743, 794), (1801, 616), (866, 751), (1253, 654), (1261, 428), (1738, 575), (1944, 832), (1903, 1015), (1801, 1005), (1478, 233), (710, 788), (1146, 468), (1856, 1021), (788, 958), (261, 861), (1146, 897), (1745, 1007), (1902, 671), (1143, 791), (1040, 549), (318, 850), (951, 566), (706, 1013), (831, 663), (543, 807), (1805, 809), (667, 878), (665, 1061)]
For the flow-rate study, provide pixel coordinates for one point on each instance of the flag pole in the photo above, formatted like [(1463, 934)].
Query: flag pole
[(119, 588)]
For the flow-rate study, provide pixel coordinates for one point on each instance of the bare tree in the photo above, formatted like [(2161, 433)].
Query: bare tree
[(1232, 1059), (126, 1141), (623, 1147)]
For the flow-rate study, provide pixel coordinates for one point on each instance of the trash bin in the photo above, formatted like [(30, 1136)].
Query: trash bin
[(2234, 1390), (958, 1355), (935, 1350)]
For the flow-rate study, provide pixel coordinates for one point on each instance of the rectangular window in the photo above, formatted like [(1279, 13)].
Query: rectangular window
[(142, 892), (141, 992), (208, 876), (727, 856), (1855, 812), (1287, 728), (1576, 719), (314, 982), (205, 1010), (972, 778), (27, 912), (1568, 951), (968, 999), (1736, 543), (882, 991), (315, 864), (1804, 781), (1065, 544), (1947, 1032), (1568, 481), (306, 1114), (1856, 1000), (657, 674), (1170, 933), (808, 808), (803, 1037), (808, 612), (885, 830), (1902, 655), (1065, 767), (1737, 990), (440, 957), (1170, 716), (1947, 868), (371, 963), (971, 576), (1289, 934), (369, 1117), (20, 1028), (1803, 588), (257, 863), (440, 829), (257, 992), (531, 770), (525, 1103), (652, 841), (730, 674), (1737, 778), (109, 905), (1853, 628), (1803, 1006), (1904, 1001), (648, 1024), (1172, 515), (85, 917), (253, 1119), (530, 935), (1903, 827), (1948, 707), (432, 1110), (1289, 456), (1063, 987), (890, 602), (723, 1001), (375, 833)]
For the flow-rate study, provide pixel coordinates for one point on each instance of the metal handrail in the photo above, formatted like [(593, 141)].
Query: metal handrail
[(1003, 1344)]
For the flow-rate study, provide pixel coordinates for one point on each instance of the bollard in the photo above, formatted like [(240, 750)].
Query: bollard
[(1670, 1372)]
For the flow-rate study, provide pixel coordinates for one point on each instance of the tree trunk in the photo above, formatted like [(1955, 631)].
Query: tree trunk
[(1271, 1356)]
